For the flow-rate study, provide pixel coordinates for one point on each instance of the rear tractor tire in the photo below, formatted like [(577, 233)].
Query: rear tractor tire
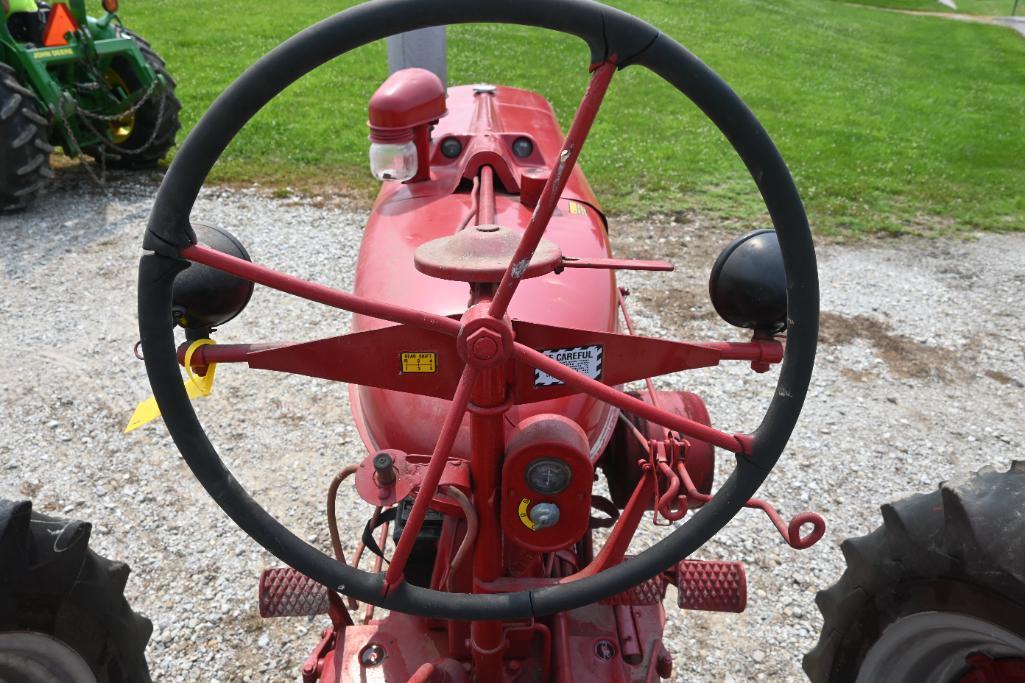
[(24, 147), (937, 593), (63, 614), (155, 124)]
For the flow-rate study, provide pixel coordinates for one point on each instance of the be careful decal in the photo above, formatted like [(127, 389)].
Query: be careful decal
[(587, 360)]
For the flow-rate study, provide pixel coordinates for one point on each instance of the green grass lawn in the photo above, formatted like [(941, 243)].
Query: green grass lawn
[(991, 8), (889, 122)]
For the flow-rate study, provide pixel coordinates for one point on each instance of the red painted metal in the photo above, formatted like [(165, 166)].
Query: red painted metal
[(710, 586), (983, 668), (791, 533), (318, 293), (552, 193), (559, 438), (616, 264), (431, 477), (284, 592), (406, 216), (408, 99), (487, 207), (409, 473), (589, 644), (651, 592), (614, 550), (482, 253), (487, 442), (532, 184), (700, 455), (737, 443), (314, 664), (625, 358)]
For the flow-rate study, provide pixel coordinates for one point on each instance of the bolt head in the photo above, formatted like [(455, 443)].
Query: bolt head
[(485, 348), (484, 345)]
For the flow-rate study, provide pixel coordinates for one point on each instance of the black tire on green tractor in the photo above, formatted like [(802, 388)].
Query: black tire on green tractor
[(937, 593), (63, 614), (156, 121), (24, 147)]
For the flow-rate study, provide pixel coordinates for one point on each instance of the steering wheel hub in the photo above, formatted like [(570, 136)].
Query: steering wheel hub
[(483, 341)]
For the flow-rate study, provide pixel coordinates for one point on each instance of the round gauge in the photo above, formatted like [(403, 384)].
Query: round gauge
[(548, 475)]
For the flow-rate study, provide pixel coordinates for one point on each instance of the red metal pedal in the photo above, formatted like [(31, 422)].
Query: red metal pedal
[(711, 586), (284, 592), (650, 592)]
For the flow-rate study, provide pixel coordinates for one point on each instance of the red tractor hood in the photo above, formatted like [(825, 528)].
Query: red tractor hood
[(406, 216)]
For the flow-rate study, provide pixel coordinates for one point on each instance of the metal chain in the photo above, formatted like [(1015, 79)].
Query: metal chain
[(127, 112), (106, 144), (100, 179)]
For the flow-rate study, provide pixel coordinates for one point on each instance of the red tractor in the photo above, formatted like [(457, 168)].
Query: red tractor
[(489, 351)]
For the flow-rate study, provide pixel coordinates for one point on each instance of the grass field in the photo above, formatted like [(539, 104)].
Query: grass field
[(991, 8), (889, 122)]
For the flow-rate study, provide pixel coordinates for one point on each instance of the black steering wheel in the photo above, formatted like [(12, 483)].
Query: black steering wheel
[(612, 35)]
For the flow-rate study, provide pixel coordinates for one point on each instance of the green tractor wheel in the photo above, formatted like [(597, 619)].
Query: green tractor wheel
[(24, 150), (141, 139)]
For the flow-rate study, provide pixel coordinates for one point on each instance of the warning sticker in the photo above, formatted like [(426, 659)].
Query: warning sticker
[(419, 361), (586, 360), (577, 209)]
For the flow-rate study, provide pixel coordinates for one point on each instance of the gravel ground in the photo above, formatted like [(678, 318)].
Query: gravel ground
[(919, 378)]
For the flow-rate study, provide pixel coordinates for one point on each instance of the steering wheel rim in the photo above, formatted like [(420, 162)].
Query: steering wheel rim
[(608, 32)]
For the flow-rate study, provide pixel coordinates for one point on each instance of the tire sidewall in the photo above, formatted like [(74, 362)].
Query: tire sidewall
[(954, 595)]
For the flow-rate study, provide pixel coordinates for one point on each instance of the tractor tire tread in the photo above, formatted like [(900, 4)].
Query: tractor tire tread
[(11, 107), (26, 136), (970, 531), (24, 144), (36, 117), (74, 595), (32, 165), (17, 87)]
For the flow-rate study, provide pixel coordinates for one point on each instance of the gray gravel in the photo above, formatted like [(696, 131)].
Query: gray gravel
[(919, 379)]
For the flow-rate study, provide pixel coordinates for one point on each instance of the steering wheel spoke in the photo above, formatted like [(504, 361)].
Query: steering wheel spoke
[(312, 291), (736, 443), (429, 483), (552, 192), (623, 358), (399, 357)]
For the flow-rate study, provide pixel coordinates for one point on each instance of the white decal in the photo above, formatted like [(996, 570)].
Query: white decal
[(587, 360)]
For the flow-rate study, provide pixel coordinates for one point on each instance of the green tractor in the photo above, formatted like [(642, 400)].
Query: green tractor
[(86, 85)]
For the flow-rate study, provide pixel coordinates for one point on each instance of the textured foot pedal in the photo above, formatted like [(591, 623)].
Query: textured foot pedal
[(711, 586), (650, 592), (284, 592)]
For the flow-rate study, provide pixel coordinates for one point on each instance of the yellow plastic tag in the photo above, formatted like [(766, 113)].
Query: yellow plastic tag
[(195, 386)]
